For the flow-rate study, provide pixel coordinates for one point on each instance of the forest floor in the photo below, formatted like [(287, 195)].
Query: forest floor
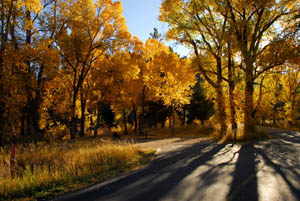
[(200, 169)]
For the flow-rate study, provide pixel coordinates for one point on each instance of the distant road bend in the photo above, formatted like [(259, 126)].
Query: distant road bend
[(264, 171)]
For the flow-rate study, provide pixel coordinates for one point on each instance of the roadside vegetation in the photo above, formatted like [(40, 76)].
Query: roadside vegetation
[(43, 170)]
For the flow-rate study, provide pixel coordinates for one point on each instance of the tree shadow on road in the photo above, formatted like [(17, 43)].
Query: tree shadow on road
[(215, 171), (244, 183), (148, 183), (282, 155), (160, 189)]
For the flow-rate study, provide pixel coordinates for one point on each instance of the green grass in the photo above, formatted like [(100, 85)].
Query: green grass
[(43, 170)]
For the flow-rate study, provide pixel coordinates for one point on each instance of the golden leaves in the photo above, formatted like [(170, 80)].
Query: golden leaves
[(166, 74)]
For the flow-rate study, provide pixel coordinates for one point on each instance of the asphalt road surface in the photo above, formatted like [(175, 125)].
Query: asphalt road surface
[(264, 171)]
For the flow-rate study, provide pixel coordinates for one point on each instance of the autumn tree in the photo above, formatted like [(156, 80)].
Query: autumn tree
[(26, 52), (165, 71), (197, 24), (94, 29), (253, 25)]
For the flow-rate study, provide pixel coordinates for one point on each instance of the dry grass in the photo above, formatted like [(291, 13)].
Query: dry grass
[(42, 170), (196, 131), (258, 135), (188, 131)]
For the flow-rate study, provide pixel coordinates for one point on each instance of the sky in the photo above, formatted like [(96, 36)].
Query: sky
[(142, 16)]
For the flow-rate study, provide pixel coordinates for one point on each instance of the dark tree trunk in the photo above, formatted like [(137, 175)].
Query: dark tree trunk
[(231, 91), (125, 122), (28, 77), (91, 123), (220, 98), (263, 121), (172, 119), (135, 119), (2, 104), (257, 107), (221, 110), (249, 122), (32, 115), (184, 115), (82, 119), (73, 127), (98, 119), (142, 118), (36, 103), (23, 121), (274, 116)]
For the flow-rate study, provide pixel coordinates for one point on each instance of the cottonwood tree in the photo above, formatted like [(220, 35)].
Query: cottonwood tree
[(166, 71), (253, 24), (197, 24), (25, 53), (94, 29)]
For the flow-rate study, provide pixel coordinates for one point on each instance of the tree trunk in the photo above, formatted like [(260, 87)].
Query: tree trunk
[(274, 117), (257, 107), (2, 104), (173, 122), (142, 119), (231, 88), (292, 112), (2, 48), (263, 121), (73, 127), (125, 122), (28, 77), (2, 109), (33, 114), (135, 119), (249, 122), (221, 110), (184, 115), (98, 119), (73, 109), (220, 98), (82, 119)]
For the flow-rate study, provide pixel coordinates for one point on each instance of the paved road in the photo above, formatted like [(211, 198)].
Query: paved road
[(264, 171)]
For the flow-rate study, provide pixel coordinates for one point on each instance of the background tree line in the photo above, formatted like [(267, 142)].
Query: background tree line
[(66, 65)]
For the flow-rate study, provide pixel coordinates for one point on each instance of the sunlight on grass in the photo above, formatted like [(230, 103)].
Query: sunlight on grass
[(241, 138), (42, 170), (182, 131)]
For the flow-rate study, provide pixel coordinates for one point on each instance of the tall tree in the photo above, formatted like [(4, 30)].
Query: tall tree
[(197, 24), (166, 70), (251, 24), (94, 29)]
